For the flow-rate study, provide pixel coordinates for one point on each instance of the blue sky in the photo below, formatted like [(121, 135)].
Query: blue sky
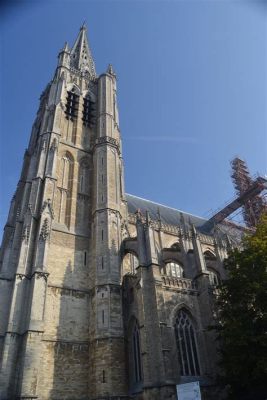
[(192, 89)]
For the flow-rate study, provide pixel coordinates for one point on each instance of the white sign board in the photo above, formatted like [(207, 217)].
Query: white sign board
[(188, 391)]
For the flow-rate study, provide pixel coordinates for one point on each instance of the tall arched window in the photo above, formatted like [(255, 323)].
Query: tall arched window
[(186, 344), (84, 177), (83, 189), (65, 180), (174, 269)]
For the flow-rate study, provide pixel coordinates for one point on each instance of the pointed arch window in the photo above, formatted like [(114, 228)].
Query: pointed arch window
[(66, 172), (65, 180), (84, 177), (186, 345)]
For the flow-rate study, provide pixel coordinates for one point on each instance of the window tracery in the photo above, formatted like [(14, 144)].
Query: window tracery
[(186, 345), (174, 269)]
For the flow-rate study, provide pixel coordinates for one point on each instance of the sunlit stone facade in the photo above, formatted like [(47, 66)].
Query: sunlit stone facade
[(103, 295)]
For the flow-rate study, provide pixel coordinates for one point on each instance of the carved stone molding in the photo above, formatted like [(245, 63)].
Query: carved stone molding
[(47, 203), (40, 274), (54, 145), (44, 144), (18, 214), (108, 140), (44, 234), (30, 210), (25, 233), (21, 276), (181, 284)]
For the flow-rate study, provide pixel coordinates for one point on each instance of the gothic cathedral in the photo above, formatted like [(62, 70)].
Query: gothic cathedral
[(103, 295)]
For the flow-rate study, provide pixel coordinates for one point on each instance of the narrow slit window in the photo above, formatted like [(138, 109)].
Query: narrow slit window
[(137, 355), (85, 258), (103, 317), (104, 376)]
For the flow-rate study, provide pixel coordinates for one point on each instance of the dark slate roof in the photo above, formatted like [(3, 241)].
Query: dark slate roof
[(168, 215), (171, 216)]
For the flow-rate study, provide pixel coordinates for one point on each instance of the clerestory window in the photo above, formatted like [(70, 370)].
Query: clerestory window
[(186, 345), (175, 270)]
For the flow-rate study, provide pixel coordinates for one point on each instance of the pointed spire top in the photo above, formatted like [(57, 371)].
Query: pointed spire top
[(81, 56), (110, 70), (66, 47)]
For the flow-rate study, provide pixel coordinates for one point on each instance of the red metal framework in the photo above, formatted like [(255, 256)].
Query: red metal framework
[(248, 192), (254, 204)]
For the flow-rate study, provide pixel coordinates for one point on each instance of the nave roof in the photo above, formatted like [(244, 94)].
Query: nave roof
[(175, 217)]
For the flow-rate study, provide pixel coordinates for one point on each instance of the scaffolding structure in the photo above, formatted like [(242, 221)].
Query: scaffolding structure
[(254, 205), (248, 198)]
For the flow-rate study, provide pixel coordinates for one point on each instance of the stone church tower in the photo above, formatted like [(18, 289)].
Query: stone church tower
[(60, 274), (102, 295)]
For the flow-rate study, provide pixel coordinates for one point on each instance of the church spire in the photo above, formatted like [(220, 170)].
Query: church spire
[(81, 56)]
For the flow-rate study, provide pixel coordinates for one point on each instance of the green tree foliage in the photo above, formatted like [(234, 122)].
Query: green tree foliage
[(242, 325)]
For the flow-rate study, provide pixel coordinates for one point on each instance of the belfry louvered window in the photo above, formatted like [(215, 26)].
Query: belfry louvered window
[(88, 112), (72, 105), (186, 345)]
